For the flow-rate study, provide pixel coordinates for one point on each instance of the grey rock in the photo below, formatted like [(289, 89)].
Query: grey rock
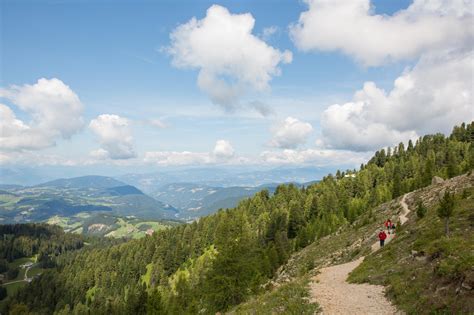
[(436, 180)]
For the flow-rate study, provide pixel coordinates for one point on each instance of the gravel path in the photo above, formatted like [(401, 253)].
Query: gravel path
[(336, 296)]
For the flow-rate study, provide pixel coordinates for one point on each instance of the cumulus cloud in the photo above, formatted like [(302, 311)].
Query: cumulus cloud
[(314, 156), (115, 137), (223, 152), (432, 97), (290, 133), (352, 28), (230, 59), (55, 111)]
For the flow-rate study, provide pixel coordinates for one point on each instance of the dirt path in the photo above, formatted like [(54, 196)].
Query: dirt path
[(406, 210), (336, 296)]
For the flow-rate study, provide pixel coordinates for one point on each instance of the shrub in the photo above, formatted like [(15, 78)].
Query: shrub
[(420, 209)]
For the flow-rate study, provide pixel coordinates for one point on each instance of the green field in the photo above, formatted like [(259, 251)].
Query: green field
[(107, 225), (35, 271), (134, 229), (14, 284), (16, 263)]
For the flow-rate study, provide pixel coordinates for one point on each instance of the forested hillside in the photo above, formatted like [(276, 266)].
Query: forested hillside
[(28, 249), (223, 259), (25, 240)]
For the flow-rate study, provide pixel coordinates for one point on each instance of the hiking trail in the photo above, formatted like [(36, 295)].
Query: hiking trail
[(336, 296)]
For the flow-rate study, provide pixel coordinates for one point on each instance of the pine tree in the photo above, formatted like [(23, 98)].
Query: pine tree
[(452, 167), (295, 220), (428, 169), (397, 182), (445, 209)]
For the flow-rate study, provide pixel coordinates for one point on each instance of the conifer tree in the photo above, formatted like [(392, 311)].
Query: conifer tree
[(445, 209)]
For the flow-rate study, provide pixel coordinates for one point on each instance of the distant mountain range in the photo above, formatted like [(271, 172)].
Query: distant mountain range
[(173, 195), (195, 200), (201, 191), (86, 194), (84, 182), (228, 177), (142, 178)]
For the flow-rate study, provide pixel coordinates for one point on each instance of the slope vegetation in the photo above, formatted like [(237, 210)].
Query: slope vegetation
[(425, 271)]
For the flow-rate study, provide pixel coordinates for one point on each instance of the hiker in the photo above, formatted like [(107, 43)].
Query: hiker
[(388, 225), (393, 228), (382, 237)]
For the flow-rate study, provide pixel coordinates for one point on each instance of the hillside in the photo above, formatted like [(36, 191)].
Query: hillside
[(257, 257), (27, 250), (82, 195), (196, 200), (105, 224), (424, 272), (86, 182)]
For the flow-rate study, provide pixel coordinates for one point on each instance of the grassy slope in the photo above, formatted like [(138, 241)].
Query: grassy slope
[(351, 242), (116, 226), (426, 272), (134, 230), (347, 244), (290, 298), (289, 293)]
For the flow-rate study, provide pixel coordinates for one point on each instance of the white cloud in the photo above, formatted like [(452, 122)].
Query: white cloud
[(167, 158), (353, 28), (269, 32), (16, 135), (290, 133), (115, 137), (314, 157), (231, 60), (432, 97), (55, 112), (158, 123), (223, 152)]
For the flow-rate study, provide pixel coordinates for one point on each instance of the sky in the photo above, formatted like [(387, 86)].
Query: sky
[(159, 84)]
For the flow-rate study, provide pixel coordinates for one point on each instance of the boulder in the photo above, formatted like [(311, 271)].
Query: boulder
[(436, 180)]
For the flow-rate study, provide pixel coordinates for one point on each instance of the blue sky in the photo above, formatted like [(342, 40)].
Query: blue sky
[(113, 56)]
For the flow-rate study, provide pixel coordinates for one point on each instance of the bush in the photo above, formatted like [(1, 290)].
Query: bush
[(420, 209)]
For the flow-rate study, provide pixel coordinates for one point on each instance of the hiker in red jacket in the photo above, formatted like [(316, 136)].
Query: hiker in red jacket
[(382, 237)]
